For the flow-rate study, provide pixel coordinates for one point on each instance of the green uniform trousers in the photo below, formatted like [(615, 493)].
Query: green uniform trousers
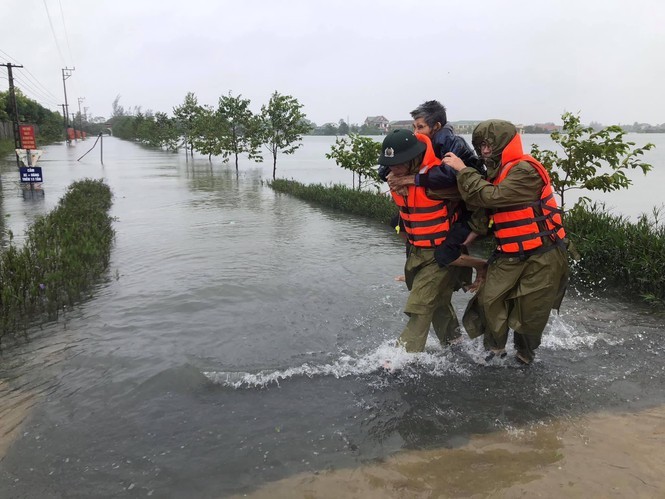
[(429, 301), (518, 295)]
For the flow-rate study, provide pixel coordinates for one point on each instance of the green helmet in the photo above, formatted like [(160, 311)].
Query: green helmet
[(400, 146)]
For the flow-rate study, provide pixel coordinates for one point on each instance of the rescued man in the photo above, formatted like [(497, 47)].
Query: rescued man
[(430, 119)]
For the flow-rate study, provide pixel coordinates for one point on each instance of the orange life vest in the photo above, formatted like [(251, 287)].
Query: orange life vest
[(426, 221), (523, 229)]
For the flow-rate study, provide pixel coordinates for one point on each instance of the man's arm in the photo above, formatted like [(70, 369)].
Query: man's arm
[(521, 186), (438, 177)]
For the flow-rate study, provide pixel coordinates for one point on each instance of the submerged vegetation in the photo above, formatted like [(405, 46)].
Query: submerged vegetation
[(620, 253), (64, 253), (339, 197)]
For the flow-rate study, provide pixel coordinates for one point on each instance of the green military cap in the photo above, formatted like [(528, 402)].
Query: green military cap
[(400, 146)]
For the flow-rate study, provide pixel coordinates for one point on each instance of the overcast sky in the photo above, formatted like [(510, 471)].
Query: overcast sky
[(525, 61)]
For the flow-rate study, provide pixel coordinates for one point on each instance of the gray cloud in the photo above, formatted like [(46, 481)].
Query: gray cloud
[(520, 60)]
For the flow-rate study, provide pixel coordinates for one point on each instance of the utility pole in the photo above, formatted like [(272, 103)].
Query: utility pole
[(12, 98), (74, 125), (66, 73), (81, 116), (64, 117)]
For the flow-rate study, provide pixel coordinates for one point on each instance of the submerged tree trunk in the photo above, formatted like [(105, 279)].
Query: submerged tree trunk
[(274, 165)]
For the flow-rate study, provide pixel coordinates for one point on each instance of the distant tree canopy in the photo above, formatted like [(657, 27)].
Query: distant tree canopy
[(50, 125), (229, 130), (186, 115)]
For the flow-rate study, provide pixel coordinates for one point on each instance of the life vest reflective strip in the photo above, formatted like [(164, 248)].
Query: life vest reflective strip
[(426, 221), (523, 229)]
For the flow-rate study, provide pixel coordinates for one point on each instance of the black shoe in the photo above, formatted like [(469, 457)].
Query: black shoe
[(493, 353)]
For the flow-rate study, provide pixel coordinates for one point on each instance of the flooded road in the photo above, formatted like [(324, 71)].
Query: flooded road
[(235, 341)]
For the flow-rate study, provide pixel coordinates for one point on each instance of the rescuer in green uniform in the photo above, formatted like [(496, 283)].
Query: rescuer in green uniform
[(426, 222), (528, 272)]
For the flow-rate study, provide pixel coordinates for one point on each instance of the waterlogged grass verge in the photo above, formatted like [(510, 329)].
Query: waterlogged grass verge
[(64, 253), (617, 252), (369, 204)]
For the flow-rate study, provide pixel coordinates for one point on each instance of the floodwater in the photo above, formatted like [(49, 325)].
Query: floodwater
[(233, 348)]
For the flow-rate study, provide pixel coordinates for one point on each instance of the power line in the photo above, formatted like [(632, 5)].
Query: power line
[(36, 92), (64, 26), (55, 38), (31, 76), (6, 54)]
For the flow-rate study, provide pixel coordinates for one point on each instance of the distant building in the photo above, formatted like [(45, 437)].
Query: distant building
[(548, 127), (401, 125), (464, 127), (380, 122)]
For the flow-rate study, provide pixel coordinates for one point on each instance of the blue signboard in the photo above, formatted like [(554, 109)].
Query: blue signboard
[(31, 174)]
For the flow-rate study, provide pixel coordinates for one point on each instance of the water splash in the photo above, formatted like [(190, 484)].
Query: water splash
[(561, 335), (435, 361), (386, 358)]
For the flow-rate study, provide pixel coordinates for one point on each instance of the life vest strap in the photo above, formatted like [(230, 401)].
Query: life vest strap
[(523, 255), (428, 237), (423, 209), (525, 237), (519, 223)]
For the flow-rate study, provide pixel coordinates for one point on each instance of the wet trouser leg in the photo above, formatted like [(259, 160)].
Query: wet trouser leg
[(431, 288), (491, 342), (526, 344), (414, 336), (444, 321)]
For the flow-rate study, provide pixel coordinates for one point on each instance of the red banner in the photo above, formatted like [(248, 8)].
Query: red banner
[(27, 133), (71, 134)]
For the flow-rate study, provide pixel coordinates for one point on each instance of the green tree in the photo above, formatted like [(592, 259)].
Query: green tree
[(118, 110), (282, 125), (186, 115), (329, 129), (343, 128), (240, 128), (167, 132), (587, 156), (206, 133), (49, 125), (358, 154)]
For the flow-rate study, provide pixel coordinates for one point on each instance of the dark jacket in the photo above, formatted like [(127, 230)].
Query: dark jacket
[(443, 176)]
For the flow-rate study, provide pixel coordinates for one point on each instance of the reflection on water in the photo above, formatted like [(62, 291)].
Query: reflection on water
[(237, 340)]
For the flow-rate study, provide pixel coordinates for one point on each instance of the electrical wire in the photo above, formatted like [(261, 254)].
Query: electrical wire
[(64, 26), (55, 38), (35, 92), (31, 77)]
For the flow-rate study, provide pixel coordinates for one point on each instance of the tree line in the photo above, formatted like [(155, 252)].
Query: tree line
[(228, 130), (48, 124)]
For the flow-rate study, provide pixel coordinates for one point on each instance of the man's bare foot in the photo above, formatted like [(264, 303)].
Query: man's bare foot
[(521, 359), (400, 278)]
